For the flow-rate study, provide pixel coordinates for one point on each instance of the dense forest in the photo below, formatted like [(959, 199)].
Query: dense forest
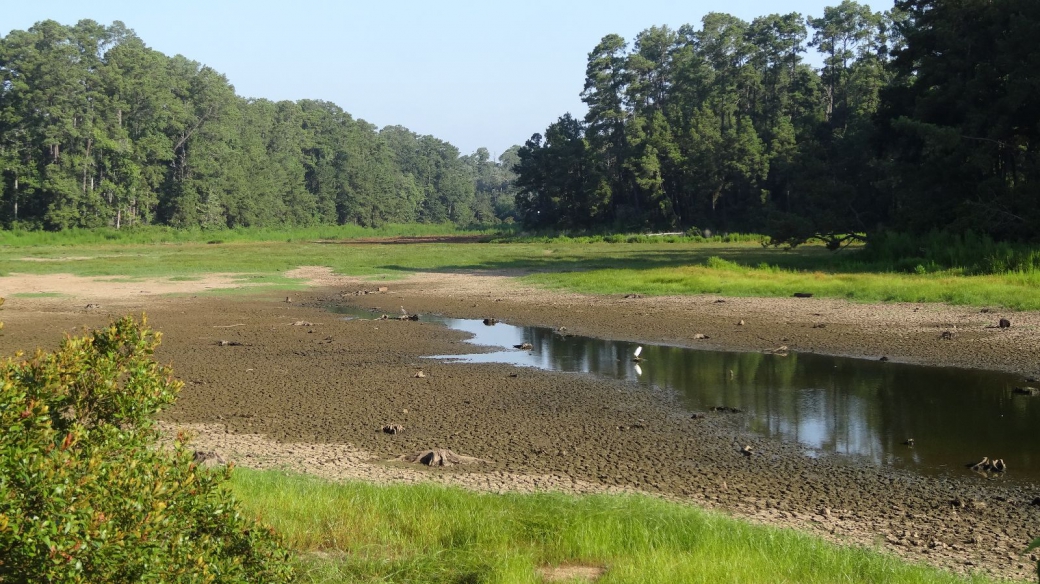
[(97, 129), (923, 117), (920, 118)]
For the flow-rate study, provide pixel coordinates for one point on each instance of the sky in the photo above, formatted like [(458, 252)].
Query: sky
[(485, 74)]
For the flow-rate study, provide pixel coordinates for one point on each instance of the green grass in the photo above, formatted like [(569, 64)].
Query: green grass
[(358, 532), (37, 295), (157, 234), (598, 267), (1019, 290)]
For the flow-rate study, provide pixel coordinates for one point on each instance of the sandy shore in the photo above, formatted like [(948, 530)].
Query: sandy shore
[(315, 397)]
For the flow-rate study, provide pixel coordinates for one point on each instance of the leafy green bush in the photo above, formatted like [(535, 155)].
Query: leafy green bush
[(86, 492)]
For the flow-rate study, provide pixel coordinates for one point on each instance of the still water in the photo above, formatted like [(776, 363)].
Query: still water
[(827, 404)]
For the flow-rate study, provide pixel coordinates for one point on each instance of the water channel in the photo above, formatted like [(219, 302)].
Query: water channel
[(827, 404)]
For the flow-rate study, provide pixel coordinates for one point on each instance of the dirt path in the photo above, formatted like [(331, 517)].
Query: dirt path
[(315, 397)]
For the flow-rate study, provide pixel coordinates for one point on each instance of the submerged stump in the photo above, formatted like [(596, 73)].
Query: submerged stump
[(439, 457)]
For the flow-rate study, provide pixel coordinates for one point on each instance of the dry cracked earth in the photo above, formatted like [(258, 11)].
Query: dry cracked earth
[(295, 386)]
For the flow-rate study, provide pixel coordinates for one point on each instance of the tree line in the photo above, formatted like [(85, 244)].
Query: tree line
[(97, 129), (922, 117)]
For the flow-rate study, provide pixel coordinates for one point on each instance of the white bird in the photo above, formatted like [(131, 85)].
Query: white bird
[(636, 357), (638, 351), (404, 312)]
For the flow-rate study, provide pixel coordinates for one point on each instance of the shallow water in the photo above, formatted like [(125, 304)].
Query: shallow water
[(827, 404)]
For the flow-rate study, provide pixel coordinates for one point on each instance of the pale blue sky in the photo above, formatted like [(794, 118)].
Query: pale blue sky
[(473, 74)]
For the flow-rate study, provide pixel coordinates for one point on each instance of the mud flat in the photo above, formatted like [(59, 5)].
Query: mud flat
[(295, 386)]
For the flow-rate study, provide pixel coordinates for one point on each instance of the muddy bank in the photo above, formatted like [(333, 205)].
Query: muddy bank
[(901, 332), (315, 388)]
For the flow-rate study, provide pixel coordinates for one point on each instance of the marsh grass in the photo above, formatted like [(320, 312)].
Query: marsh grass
[(1017, 290), (359, 532), (730, 269), (157, 234)]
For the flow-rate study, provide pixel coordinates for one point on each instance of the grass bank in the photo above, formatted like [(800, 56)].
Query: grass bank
[(357, 532), (159, 234), (600, 267), (1016, 290)]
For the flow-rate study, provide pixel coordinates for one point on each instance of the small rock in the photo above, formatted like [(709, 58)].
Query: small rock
[(969, 505), (229, 344), (803, 295), (741, 322), (288, 300), (700, 337), (819, 325), (633, 296), (1036, 502), (92, 306), (747, 450), (393, 429), (490, 321), (524, 346), (946, 336), (382, 289), (909, 442), (701, 416), (1027, 391), (883, 359), (419, 374), (302, 323), (1004, 323)]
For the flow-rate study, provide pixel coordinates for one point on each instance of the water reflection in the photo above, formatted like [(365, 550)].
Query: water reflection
[(828, 404)]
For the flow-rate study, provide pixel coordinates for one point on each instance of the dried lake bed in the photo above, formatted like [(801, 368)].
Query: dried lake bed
[(843, 472)]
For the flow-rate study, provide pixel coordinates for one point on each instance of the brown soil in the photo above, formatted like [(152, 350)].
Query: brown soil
[(315, 398)]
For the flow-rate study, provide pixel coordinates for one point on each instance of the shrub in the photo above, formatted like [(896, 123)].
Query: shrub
[(86, 492), (717, 263)]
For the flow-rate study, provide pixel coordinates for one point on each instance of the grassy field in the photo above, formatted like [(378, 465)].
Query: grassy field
[(596, 266), (155, 234), (356, 532)]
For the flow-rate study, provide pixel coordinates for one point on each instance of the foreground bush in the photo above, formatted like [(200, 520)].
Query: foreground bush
[(86, 493)]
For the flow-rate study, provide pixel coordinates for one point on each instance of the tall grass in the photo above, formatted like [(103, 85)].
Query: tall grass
[(160, 234), (964, 253), (358, 532), (715, 275)]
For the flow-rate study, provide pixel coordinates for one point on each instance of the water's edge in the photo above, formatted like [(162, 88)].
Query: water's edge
[(828, 404)]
